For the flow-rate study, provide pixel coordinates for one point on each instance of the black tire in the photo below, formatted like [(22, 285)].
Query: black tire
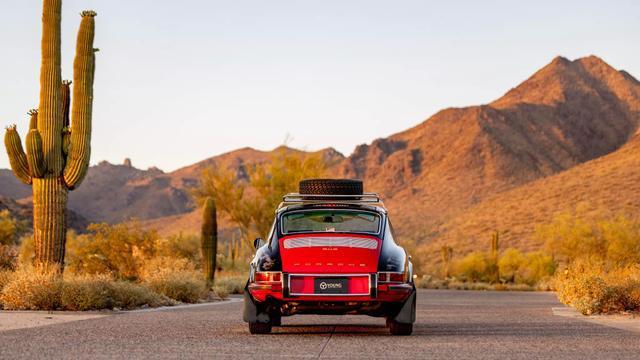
[(331, 187), (396, 328), (259, 328), (276, 320)]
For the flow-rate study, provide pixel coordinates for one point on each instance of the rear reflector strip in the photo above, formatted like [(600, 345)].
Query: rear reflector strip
[(343, 241)]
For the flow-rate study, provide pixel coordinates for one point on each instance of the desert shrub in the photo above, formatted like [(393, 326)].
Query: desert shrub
[(87, 293), (175, 278), (26, 253), (8, 257), (230, 285), (537, 267), (129, 295), (30, 289), (120, 250), (10, 228), (81, 293), (592, 288), (180, 246), (5, 277), (473, 267), (601, 258), (622, 238), (510, 263)]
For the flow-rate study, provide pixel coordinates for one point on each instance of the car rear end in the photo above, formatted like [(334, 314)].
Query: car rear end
[(331, 257)]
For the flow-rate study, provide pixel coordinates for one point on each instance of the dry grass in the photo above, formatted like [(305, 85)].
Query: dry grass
[(229, 284), (32, 290), (81, 293), (176, 278)]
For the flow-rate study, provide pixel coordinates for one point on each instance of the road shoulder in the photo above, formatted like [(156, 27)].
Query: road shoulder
[(628, 322)]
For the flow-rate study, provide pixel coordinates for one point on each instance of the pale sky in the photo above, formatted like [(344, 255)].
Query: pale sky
[(180, 81)]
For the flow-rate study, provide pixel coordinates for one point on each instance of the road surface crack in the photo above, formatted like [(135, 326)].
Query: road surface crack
[(324, 346)]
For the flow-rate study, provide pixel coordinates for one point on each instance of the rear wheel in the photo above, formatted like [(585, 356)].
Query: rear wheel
[(396, 328), (259, 328), (276, 320)]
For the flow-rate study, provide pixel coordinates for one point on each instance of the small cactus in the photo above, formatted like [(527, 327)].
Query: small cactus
[(209, 240), (495, 244), (446, 252), (58, 150)]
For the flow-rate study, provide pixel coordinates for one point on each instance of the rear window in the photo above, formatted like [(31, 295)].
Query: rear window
[(331, 221)]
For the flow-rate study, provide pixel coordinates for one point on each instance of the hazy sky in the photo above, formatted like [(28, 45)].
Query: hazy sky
[(180, 81)]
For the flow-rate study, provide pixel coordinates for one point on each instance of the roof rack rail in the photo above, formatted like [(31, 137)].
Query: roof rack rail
[(365, 198)]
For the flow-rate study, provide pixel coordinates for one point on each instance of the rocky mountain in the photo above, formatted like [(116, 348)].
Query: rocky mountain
[(565, 114), (450, 178)]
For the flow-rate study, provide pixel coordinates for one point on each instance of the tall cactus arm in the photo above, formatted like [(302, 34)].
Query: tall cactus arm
[(17, 157), (66, 102), (50, 109), (33, 122), (34, 154), (83, 72)]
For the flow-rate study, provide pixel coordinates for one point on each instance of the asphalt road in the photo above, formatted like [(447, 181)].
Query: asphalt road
[(451, 325)]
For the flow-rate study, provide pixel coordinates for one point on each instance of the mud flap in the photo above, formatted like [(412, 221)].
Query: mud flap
[(407, 313), (253, 313)]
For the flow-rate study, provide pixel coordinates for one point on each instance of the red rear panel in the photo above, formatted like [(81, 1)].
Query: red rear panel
[(329, 253)]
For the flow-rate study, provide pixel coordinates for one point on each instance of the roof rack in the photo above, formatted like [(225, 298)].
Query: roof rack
[(295, 198)]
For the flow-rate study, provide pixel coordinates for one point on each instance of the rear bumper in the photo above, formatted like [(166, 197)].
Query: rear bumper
[(300, 288), (395, 301)]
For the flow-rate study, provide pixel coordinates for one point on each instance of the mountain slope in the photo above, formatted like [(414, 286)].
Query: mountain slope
[(609, 185), (567, 113)]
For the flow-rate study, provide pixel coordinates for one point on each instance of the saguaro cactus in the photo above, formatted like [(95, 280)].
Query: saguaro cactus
[(446, 253), (209, 239), (58, 151), (495, 244)]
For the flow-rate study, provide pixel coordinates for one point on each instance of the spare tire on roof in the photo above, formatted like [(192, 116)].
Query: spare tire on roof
[(331, 187)]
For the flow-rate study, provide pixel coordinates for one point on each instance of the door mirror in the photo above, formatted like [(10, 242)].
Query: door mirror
[(257, 243)]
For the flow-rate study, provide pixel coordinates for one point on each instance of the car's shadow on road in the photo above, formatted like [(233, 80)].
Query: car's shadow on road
[(326, 329)]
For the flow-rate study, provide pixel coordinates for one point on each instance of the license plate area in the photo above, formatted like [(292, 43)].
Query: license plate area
[(329, 285)]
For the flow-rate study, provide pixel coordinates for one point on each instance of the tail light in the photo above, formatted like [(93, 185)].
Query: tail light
[(268, 280), (268, 277), (391, 277)]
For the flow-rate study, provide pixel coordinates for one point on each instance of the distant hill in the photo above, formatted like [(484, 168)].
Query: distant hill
[(456, 177), (24, 212)]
